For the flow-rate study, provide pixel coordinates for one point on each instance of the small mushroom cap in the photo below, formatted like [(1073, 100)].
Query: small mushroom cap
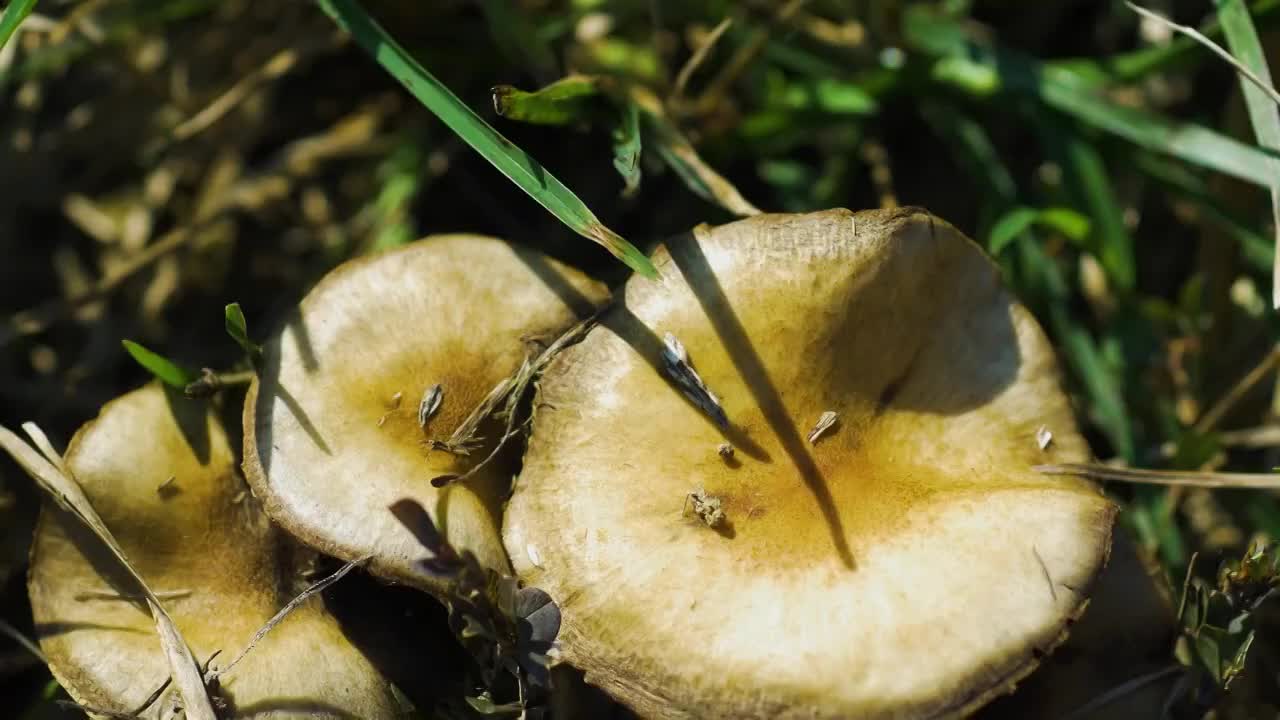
[(328, 449), (906, 563), (202, 536)]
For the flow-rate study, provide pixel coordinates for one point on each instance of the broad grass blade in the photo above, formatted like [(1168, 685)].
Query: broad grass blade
[(513, 162)]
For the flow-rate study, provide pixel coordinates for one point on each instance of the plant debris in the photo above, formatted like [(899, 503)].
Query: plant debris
[(826, 421), (706, 507), (430, 404), (279, 617), (511, 390), (1044, 438), (681, 371), (509, 630)]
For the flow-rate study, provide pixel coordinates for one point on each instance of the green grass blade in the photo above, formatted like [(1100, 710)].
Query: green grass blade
[(1242, 38), (569, 100), (513, 162), (12, 17), (169, 372), (1014, 224), (238, 329), (626, 147), (1087, 175)]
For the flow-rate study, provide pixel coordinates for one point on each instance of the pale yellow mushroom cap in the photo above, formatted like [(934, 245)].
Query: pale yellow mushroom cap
[(203, 538), (907, 564), (326, 447)]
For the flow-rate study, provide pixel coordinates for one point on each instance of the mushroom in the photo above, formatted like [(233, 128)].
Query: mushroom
[(910, 563), (363, 390), (161, 472)]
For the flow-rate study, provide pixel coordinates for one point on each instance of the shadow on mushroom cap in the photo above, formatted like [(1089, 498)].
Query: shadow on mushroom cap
[(187, 522), (332, 436), (908, 564)]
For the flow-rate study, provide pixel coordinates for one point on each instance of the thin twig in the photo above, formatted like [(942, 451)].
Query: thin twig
[(699, 56), (1257, 437), (515, 387), (1175, 478), (1211, 45), (1210, 419), (274, 68), (210, 382), (284, 613), (742, 59), (1186, 584)]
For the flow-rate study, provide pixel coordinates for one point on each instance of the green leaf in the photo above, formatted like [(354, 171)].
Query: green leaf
[(1263, 113), (829, 96), (626, 147), (513, 162), (1009, 227), (13, 15), (169, 372), (239, 330), (1070, 223), (569, 100)]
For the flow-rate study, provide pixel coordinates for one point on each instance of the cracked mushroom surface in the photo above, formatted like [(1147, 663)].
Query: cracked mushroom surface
[(342, 421), (162, 474), (903, 562)]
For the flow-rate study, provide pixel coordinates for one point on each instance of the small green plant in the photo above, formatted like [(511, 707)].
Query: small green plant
[(507, 629)]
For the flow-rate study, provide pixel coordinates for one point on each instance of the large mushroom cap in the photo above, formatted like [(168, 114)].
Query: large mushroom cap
[(162, 475), (909, 563), (332, 436)]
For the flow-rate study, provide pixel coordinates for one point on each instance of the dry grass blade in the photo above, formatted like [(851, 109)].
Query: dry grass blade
[(679, 153), (1214, 47), (279, 617), (1256, 481), (511, 389), (185, 672), (41, 441), (276, 67), (49, 473), (1214, 414), (699, 56), (464, 439)]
